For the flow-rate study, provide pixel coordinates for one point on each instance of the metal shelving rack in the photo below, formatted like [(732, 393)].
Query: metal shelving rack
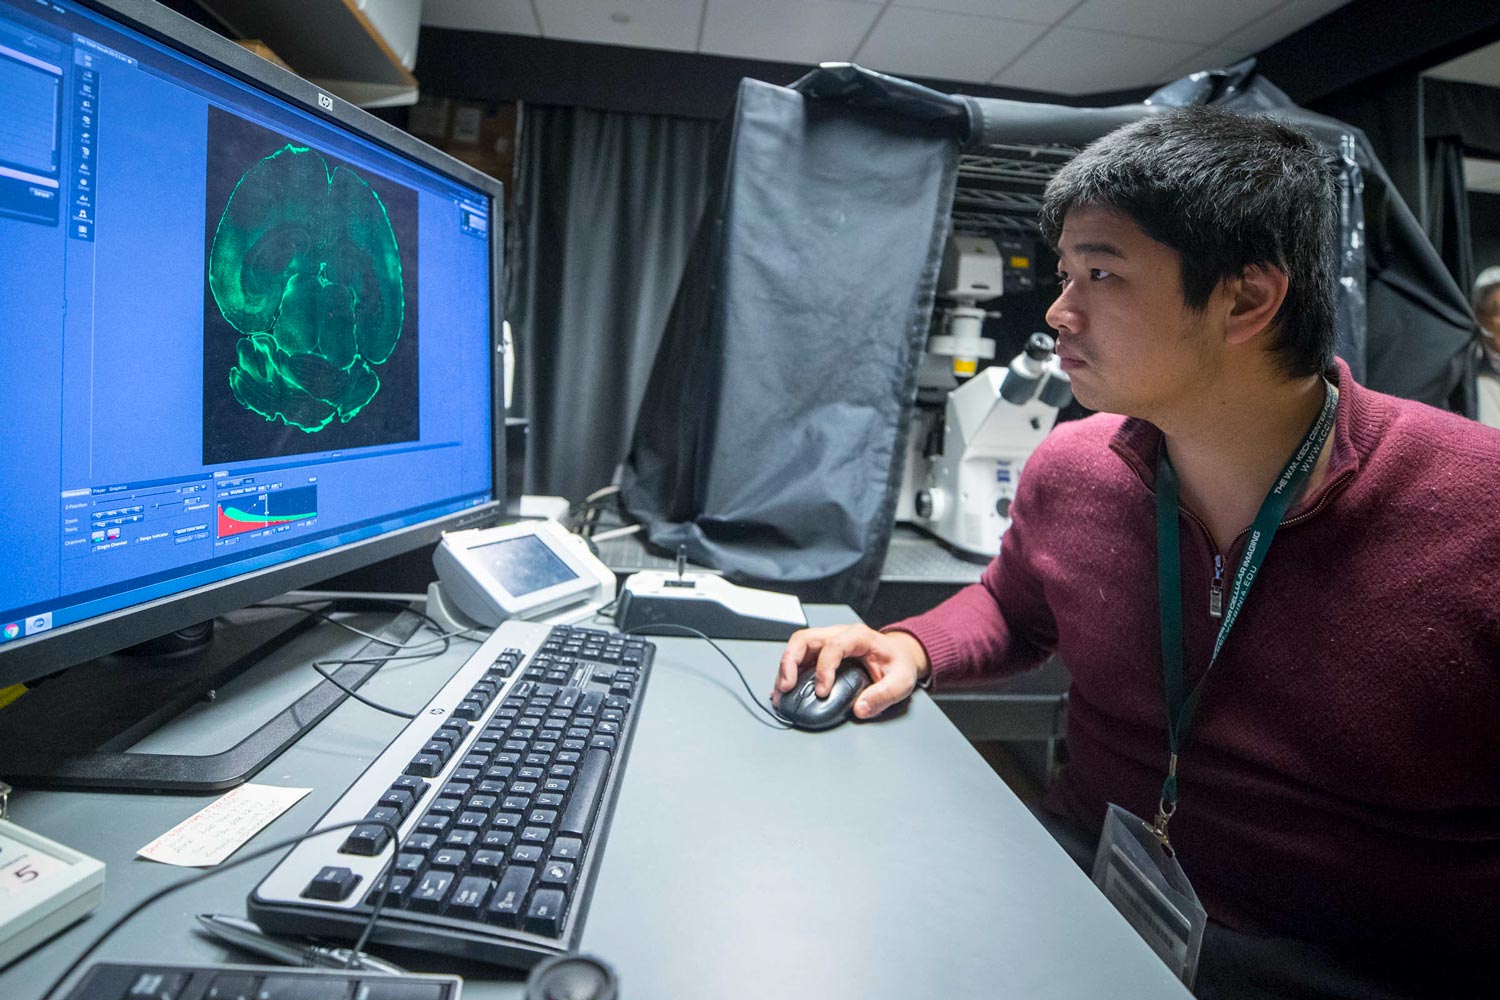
[(999, 191)]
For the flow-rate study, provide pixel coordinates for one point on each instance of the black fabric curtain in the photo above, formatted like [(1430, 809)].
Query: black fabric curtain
[(605, 206), (1448, 208)]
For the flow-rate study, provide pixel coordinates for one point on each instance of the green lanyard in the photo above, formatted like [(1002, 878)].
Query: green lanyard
[(1181, 705)]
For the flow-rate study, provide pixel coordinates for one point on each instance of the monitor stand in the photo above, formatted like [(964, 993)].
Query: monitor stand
[(73, 731)]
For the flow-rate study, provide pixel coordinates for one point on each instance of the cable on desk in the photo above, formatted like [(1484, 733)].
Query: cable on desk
[(316, 611), (354, 953), (644, 630)]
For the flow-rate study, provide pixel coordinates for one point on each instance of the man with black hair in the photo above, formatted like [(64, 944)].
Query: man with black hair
[(1487, 311), (1335, 799)]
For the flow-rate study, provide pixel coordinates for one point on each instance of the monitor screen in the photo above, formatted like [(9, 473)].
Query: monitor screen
[(247, 328), (524, 565)]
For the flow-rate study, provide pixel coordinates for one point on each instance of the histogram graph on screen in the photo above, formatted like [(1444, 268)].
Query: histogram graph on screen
[(269, 509)]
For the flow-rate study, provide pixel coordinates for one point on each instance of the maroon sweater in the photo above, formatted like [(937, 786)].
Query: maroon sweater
[(1341, 782)]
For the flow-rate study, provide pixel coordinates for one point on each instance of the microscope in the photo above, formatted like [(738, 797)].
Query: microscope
[(973, 429)]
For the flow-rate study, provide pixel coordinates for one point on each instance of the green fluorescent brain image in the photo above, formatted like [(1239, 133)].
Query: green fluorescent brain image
[(305, 266)]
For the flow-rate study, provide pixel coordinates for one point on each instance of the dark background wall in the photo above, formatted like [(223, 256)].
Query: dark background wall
[(1484, 228)]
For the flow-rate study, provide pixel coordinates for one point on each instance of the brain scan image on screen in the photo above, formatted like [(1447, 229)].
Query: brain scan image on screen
[(305, 266)]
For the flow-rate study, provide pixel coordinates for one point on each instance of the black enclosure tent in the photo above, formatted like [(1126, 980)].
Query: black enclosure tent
[(770, 438)]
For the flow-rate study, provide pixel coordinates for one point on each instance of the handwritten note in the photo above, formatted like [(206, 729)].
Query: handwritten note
[(219, 829)]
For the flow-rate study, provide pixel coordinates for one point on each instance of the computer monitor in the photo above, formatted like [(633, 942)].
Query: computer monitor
[(252, 333)]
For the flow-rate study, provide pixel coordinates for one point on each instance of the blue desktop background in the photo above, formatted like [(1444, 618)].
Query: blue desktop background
[(102, 380)]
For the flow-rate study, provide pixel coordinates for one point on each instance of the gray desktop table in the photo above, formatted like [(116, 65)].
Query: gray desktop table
[(875, 860)]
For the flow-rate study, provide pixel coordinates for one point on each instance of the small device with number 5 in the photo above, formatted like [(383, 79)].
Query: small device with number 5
[(44, 887)]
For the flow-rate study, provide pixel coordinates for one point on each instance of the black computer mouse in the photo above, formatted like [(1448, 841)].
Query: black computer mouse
[(802, 707)]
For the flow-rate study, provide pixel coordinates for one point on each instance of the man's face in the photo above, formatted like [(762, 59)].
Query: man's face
[(1488, 314), (1124, 334)]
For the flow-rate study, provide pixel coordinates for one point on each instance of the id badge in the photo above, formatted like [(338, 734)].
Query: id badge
[(1147, 885)]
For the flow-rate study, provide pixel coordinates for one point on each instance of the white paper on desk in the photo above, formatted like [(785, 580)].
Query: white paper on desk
[(217, 830)]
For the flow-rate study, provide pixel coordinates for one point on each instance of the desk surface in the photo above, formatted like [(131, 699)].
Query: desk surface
[(872, 860)]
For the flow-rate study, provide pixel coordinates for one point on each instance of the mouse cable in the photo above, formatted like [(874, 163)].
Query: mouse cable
[(354, 953), (642, 630)]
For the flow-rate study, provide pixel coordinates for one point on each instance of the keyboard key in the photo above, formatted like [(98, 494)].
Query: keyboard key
[(505, 905), (332, 884), (366, 840), (535, 835), (284, 987), (579, 814), (603, 742), (617, 701), (544, 916), (608, 728), (232, 986), (445, 806), (409, 862), (420, 843), (506, 821), (433, 823), (567, 847), (424, 765), (497, 838), (469, 897), (471, 821), (468, 709), (450, 857), (400, 886), (416, 786), (441, 749), (516, 803), (383, 814), (400, 800), (589, 704), (558, 785), (429, 894), (461, 838), (549, 800), (526, 853), (157, 986), (487, 861), (542, 817), (558, 873)]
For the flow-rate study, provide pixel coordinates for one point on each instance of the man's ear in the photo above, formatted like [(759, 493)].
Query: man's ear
[(1256, 297)]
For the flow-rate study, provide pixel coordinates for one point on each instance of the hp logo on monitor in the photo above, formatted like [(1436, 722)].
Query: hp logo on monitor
[(325, 102)]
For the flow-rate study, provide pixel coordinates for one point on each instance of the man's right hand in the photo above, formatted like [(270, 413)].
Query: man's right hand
[(895, 661)]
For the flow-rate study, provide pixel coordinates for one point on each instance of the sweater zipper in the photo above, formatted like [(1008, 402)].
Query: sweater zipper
[(1216, 588)]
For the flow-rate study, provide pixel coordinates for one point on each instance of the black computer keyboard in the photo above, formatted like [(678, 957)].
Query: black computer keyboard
[(502, 789), (162, 981)]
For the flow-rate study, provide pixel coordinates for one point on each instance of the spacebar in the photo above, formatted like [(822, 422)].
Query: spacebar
[(589, 782)]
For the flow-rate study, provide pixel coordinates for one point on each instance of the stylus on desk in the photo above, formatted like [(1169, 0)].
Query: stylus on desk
[(243, 934)]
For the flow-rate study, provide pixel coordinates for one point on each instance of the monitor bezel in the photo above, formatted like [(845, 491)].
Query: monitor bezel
[(30, 657)]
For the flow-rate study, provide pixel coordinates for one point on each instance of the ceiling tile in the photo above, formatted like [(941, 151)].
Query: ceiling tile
[(1179, 20), (798, 31), (648, 24), (1482, 175), (1481, 66), (947, 46), (514, 17), (1075, 61), (1040, 11), (1279, 23)]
